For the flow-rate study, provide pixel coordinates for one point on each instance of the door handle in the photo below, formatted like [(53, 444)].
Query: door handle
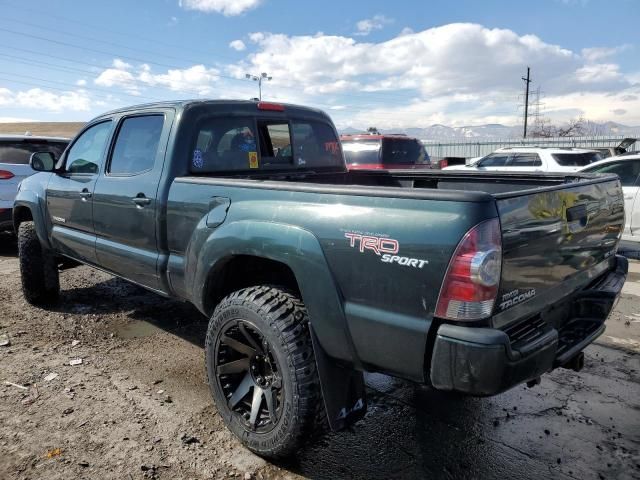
[(140, 200), (85, 194)]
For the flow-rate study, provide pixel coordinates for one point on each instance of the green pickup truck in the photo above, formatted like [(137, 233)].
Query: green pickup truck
[(312, 275)]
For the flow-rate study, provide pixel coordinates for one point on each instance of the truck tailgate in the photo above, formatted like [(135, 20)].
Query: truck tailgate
[(555, 241)]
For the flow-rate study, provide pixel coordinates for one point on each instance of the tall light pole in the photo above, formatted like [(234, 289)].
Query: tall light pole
[(259, 79), (527, 81)]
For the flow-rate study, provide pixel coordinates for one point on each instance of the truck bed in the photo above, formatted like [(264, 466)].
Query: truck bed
[(559, 233)]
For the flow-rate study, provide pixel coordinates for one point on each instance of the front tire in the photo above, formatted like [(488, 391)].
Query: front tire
[(38, 269), (262, 371)]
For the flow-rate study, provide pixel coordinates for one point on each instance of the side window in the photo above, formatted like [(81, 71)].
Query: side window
[(85, 155), (136, 145), (526, 160), (628, 171), (495, 160)]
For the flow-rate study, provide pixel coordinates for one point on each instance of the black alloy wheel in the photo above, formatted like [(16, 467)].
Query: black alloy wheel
[(261, 369), (249, 375)]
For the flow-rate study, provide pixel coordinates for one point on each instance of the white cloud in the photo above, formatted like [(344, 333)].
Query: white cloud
[(121, 64), (596, 54), (600, 73), (470, 73), (238, 45), (368, 25), (196, 79), (226, 7), (81, 83), (455, 57), (114, 77), (256, 37), (37, 98)]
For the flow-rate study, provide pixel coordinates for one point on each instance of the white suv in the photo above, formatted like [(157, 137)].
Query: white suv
[(15, 151), (533, 159)]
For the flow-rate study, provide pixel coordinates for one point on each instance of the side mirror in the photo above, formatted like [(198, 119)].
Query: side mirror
[(42, 161)]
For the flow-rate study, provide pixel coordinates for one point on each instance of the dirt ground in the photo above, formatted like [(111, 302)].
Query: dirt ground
[(52, 129), (138, 405)]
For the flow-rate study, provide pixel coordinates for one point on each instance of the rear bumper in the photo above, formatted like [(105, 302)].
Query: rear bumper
[(486, 361), (6, 220)]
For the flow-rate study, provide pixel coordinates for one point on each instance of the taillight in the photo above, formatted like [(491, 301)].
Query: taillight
[(471, 283), (444, 163), (5, 175)]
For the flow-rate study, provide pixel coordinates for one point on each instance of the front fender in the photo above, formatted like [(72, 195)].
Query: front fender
[(35, 201), (295, 247)]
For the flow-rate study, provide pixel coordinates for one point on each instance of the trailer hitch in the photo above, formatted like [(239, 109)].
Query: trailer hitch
[(575, 363)]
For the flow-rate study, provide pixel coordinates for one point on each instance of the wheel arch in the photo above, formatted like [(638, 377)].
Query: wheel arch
[(30, 205), (282, 254)]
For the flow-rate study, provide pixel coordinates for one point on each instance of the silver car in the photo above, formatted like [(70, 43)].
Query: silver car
[(15, 151)]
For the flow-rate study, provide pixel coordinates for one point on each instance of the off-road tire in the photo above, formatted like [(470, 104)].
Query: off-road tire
[(38, 269), (282, 319)]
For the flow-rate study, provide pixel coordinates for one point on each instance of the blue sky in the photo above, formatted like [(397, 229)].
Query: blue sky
[(392, 64)]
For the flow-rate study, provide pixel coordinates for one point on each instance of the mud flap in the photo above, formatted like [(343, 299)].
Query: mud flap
[(342, 389)]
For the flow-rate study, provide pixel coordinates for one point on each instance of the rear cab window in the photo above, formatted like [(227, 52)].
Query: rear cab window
[(398, 151), (18, 152), (362, 152), (235, 144)]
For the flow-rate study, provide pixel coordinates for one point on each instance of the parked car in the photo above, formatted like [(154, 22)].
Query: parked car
[(627, 167), (15, 151), (533, 159), (311, 274), (384, 152), (448, 162)]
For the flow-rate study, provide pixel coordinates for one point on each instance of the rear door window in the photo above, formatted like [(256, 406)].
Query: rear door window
[(136, 145), (19, 152), (495, 160), (525, 160), (576, 159)]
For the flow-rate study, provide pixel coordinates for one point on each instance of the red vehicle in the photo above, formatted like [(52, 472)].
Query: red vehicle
[(384, 152)]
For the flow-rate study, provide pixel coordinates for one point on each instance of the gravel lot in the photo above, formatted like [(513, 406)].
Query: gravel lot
[(138, 406)]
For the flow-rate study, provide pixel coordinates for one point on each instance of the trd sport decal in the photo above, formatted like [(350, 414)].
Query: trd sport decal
[(386, 248)]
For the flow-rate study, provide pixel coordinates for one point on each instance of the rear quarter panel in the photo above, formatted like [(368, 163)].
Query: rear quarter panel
[(385, 308)]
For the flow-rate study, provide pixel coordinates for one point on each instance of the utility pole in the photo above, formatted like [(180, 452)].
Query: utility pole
[(259, 79), (526, 102)]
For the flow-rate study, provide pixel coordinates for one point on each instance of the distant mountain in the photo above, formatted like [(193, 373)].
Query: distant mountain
[(495, 130)]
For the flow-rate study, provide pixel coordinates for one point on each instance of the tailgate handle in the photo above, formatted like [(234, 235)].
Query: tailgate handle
[(579, 212)]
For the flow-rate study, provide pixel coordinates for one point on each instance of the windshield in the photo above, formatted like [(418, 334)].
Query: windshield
[(361, 151), (18, 152), (576, 159)]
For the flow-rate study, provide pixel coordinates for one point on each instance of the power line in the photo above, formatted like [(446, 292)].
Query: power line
[(135, 59), (361, 94)]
